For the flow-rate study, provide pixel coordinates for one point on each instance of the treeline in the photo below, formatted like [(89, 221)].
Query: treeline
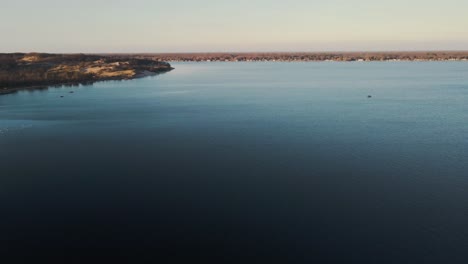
[(311, 56)]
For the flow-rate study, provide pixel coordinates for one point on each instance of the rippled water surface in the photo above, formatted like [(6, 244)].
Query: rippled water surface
[(240, 162)]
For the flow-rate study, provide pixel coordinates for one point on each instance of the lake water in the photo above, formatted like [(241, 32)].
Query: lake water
[(242, 162)]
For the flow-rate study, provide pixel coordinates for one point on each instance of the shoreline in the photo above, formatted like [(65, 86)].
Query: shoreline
[(311, 61), (305, 56)]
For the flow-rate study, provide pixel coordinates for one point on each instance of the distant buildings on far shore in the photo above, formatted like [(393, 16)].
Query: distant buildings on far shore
[(305, 57)]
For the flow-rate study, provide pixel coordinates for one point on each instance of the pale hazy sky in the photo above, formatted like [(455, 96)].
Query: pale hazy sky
[(232, 25)]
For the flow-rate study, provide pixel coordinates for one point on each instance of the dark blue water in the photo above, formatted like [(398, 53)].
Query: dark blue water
[(240, 163)]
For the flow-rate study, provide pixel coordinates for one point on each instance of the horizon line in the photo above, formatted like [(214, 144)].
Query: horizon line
[(240, 52)]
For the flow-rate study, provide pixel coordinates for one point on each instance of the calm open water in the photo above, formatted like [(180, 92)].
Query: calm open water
[(241, 162)]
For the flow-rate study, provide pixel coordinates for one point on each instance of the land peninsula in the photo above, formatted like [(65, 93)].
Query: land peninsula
[(36, 70)]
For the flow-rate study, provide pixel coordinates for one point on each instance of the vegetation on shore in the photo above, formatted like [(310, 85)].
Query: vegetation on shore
[(20, 70), (311, 56)]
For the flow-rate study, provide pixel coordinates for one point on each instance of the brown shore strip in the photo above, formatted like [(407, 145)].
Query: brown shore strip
[(305, 56)]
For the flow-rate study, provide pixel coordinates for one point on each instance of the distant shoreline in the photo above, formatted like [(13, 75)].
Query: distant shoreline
[(305, 61), (304, 56)]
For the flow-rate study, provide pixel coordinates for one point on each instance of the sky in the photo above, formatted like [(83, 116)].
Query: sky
[(236, 25)]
